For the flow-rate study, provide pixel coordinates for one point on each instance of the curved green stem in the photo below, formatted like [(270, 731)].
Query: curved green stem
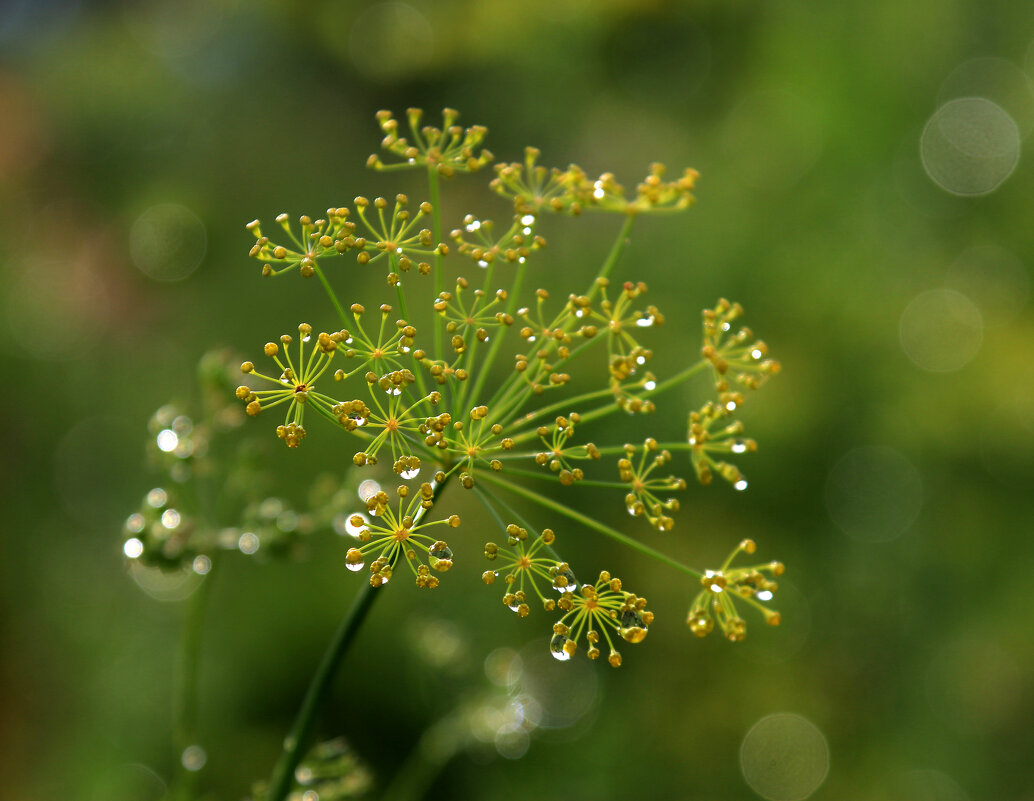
[(436, 232), (615, 253), (185, 732), (330, 293), (300, 734), (588, 522)]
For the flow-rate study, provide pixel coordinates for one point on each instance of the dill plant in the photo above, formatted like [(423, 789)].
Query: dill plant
[(435, 407)]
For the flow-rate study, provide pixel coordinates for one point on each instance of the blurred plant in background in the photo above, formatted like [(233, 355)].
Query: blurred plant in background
[(428, 404)]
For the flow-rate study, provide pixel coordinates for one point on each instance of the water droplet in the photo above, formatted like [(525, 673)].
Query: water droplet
[(764, 595), (473, 226), (170, 518), (408, 474), (392, 391), (756, 353), (528, 219), (640, 360), (726, 326), (650, 385), (731, 406), (740, 485), (572, 582), (194, 757), (521, 260), (202, 565), (133, 548), (368, 488), (135, 523), (482, 263), (556, 647), (739, 446), (360, 421), (167, 440), (644, 322), (355, 568), (157, 498), (306, 337), (440, 556), (248, 542), (343, 524), (632, 627)]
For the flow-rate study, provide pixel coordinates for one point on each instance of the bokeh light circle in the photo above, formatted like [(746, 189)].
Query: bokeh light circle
[(784, 757), (941, 330), (167, 242), (997, 80), (970, 146), (874, 494)]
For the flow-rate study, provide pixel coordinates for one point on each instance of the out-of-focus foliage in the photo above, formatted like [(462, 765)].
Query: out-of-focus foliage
[(864, 192)]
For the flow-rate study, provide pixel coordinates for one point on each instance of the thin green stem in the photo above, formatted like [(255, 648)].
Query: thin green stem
[(615, 253), (588, 522), (298, 738), (493, 351), (330, 293), (185, 733), (436, 232)]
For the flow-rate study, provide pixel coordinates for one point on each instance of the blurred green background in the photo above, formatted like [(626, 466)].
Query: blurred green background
[(864, 194)]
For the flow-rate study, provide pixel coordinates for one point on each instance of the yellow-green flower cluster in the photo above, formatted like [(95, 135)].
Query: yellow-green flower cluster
[(525, 566), (752, 585), (603, 607), (448, 150)]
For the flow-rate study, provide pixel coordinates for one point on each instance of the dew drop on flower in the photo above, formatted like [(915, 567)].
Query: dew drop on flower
[(368, 488), (360, 421), (482, 263), (167, 440), (644, 322), (306, 337), (356, 567), (650, 385), (556, 647), (133, 548), (170, 518), (157, 498), (731, 406), (640, 360), (473, 226), (756, 353), (248, 542), (726, 326), (572, 582), (408, 474), (764, 595), (740, 485), (135, 523), (521, 260), (739, 446), (528, 219)]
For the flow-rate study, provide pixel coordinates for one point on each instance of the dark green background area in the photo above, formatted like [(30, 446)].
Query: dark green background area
[(804, 120)]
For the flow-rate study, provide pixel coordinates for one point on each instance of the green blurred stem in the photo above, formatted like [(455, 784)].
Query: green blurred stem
[(436, 232), (615, 253), (297, 741), (330, 293), (588, 522), (185, 711)]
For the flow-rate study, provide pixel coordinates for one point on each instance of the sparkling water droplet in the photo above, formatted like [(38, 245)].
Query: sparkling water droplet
[(368, 488), (764, 595), (392, 391), (650, 385), (644, 322), (739, 446), (473, 226), (740, 485), (360, 421), (482, 263), (355, 568), (731, 406), (170, 518), (528, 219), (248, 542), (726, 326), (306, 337), (521, 260), (133, 548), (167, 440), (640, 360), (408, 474), (157, 498), (756, 353), (135, 523), (556, 647), (572, 582)]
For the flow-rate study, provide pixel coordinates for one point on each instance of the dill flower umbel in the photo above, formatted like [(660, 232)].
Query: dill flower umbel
[(420, 384)]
